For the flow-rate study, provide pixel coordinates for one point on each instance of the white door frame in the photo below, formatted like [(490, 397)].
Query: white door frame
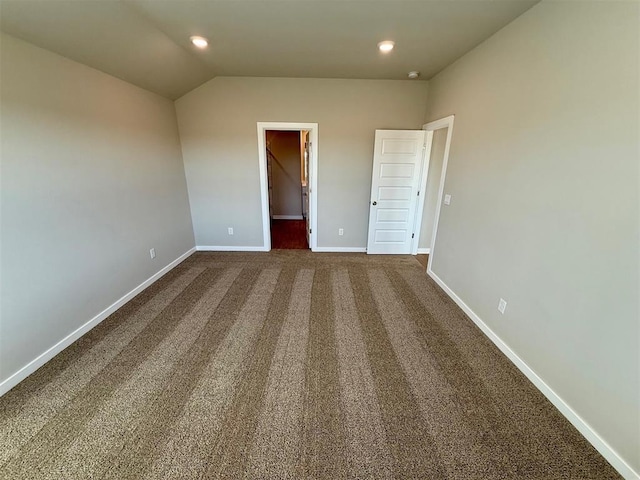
[(422, 191), (312, 181), (446, 122)]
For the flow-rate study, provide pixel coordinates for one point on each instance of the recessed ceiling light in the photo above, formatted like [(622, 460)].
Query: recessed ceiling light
[(199, 42), (413, 74), (386, 46)]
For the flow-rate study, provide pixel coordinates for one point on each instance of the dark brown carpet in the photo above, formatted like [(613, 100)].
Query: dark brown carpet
[(289, 234), (423, 259), (288, 365)]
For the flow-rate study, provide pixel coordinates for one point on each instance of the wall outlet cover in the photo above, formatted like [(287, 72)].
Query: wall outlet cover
[(502, 305)]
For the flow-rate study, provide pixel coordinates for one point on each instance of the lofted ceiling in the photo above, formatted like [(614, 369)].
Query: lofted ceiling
[(146, 42)]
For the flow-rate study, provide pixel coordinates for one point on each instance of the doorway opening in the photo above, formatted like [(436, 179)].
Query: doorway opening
[(287, 175), (433, 179), (407, 185), (287, 153)]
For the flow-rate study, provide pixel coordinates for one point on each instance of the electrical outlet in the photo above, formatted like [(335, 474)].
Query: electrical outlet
[(152, 253), (447, 199), (341, 231), (502, 305), (230, 230)]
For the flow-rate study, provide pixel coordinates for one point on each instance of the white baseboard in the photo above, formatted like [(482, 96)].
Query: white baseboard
[(44, 357), (423, 251), (288, 217), (583, 427), (341, 249), (222, 248)]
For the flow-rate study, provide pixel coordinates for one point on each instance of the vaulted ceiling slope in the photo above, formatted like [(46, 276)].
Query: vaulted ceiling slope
[(146, 42)]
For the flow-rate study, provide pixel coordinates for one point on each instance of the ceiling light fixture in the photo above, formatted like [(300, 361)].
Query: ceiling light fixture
[(199, 42), (413, 74), (386, 46)]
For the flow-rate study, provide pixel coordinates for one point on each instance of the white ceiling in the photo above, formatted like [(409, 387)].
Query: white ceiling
[(146, 42)]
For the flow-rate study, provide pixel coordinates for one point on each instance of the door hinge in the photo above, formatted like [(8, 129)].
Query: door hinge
[(418, 192), (310, 231), (413, 235)]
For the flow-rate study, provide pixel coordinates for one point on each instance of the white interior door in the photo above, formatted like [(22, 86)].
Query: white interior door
[(397, 163)]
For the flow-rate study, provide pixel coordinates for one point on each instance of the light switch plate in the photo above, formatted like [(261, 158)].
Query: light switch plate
[(447, 199)]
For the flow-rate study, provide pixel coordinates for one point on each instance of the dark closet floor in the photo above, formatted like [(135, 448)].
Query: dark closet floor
[(288, 234)]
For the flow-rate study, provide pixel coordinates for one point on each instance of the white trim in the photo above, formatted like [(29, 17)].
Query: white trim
[(262, 128), (341, 249), (440, 123), (47, 355), (446, 122), (313, 185), (288, 217), (424, 175), (231, 248), (423, 251), (583, 427), (264, 188)]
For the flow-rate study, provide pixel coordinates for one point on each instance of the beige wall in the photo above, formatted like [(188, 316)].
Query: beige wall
[(92, 178), (220, 149), (543, 173), (433, 184), (285, 173)]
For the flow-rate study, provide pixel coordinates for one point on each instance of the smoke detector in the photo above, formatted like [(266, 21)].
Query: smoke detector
[(413, 74)]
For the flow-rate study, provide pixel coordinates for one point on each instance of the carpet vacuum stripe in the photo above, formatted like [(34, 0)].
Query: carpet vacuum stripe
[(215, 378), (61, 430), (323, 435), (463, 448), (415, 454), (277, 442), (26, 419), (288, 365), (369, 455), (228, 458), (539, 438), (118, 426)]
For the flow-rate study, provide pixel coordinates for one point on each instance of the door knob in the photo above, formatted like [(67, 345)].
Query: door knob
[(375, 203)]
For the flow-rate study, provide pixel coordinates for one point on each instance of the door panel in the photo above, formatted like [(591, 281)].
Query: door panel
[(394, 146), (390, 236), (395, 194), (400, 170), (392, 215), (397, 163)]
